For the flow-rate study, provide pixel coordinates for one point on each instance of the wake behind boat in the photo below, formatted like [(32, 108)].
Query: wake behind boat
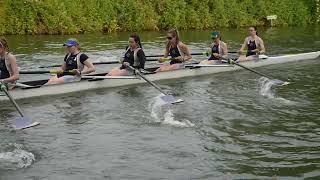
[(33, 89)]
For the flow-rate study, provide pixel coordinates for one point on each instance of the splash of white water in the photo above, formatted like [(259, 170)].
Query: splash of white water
[(266, 90), (161, 112), (265, 86), (16, 158)]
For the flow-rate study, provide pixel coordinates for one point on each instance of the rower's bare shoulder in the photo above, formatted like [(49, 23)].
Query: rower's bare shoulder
[(182, 45), (224, 44), (11, 57), (260, 39)]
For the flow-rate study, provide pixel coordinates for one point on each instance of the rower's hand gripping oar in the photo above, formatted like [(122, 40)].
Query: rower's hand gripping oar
[(274, 81), (167, 98), (23, 121)]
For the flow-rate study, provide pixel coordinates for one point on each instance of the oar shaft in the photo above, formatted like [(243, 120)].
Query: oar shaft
[(48, 72), (249, 69), (150, 82), (254, 71), (34, 72), (193, 54), (4, 89), (96, 63)]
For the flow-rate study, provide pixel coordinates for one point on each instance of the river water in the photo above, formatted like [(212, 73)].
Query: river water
[(229, 126)]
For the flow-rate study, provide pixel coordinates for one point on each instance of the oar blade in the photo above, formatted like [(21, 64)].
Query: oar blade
[(277, 82), (170, 99), (24, 122)]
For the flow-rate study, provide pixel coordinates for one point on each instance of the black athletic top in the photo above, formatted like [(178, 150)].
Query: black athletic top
[(4, 73), (135, 59)]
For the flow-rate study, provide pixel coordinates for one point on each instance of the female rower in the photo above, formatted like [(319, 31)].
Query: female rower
[(177, 50), (253, 44), (218, 50), (75, 61), (134, 56), (9, 72)]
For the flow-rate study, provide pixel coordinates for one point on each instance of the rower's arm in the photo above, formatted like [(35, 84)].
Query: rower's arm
[(166, 53), (262, 49), (90, 67), (15, 71), (225, 51), (186, 52), (244, 46), (63, 66)]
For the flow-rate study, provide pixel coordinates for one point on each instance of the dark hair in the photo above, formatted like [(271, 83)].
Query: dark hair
[(136, 39), (255, 28), (4, 43), (175, 34)]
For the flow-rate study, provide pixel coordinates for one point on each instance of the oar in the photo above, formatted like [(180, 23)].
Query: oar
[(53, 71), (96, 63), (166, 98), (208, 65), (274, 81), (192, 54), (110, 77), (23, 121), (148, 60)]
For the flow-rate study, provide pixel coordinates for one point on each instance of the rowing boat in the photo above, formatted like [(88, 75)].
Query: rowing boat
[(33, 89)]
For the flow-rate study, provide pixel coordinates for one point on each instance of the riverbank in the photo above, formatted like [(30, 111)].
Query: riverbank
[(79, 16)]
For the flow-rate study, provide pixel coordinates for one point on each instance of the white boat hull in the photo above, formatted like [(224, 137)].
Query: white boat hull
[(110, 83)]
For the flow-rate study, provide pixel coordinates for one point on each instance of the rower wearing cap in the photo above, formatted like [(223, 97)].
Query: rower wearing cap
[(253, 45), (177, 50), (73, 61), (218, 50), (134, 56), (9, 72)]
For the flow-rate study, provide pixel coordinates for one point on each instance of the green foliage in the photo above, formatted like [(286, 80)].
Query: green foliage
[(82, 16)]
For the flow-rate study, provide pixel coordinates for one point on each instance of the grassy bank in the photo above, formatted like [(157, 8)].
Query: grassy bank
[(81, 16)]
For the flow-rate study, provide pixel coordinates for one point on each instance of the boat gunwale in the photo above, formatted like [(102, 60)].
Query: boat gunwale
[(186, 72)]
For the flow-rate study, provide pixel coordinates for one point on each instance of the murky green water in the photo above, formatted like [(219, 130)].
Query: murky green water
[(112, 134)]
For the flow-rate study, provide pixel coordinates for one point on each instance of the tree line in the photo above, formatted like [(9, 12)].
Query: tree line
[(85, 16)]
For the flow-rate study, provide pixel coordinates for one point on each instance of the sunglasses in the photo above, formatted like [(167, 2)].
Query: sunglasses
[(169, 38)]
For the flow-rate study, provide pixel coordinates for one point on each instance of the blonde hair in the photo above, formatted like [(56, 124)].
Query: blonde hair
[(175, 34), (4, 43)]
